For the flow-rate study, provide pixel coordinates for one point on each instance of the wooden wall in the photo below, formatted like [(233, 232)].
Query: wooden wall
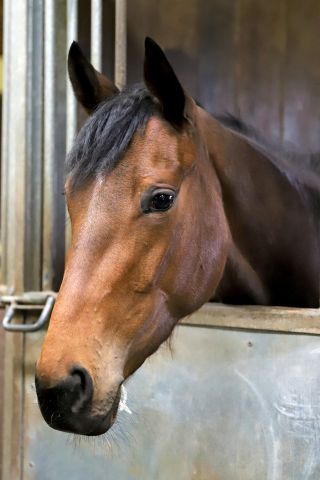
[(258, 59)]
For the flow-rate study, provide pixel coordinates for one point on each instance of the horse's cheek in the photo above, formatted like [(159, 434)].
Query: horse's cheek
[(202, 272)]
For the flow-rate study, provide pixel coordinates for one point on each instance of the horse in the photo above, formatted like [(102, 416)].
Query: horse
[(170, 208)]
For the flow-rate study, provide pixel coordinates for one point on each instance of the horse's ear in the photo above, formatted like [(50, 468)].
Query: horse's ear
[(163, 83), (90, 86)]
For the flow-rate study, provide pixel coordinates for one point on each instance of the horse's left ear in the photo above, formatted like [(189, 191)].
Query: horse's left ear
[(89, 85), (163, 83)]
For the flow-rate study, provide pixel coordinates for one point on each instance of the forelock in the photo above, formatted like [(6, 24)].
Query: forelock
[(106, 136)]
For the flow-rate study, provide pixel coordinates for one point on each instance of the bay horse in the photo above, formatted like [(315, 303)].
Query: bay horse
[(170, 208)]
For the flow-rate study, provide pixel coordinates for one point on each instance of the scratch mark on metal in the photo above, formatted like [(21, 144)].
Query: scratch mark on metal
[(304, 423), (272, 447)]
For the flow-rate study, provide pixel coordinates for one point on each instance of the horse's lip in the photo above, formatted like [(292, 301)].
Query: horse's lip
[(103, 424)]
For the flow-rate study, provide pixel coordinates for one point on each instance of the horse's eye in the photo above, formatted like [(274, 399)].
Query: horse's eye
[(162, 201), (159, 200)]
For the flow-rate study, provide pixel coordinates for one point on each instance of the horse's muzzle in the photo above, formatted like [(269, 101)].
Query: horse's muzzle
[(66, 405)]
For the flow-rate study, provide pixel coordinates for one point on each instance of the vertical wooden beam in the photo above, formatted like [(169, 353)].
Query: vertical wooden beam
[(96, 33), (121, 44), (71, 110), (72, 34)]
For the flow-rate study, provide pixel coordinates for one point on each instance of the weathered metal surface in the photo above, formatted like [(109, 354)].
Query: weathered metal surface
[(20, 198), (120, 67), (33, 119), (223, 405), (34, 145), (54, 143), (15, 110), (71, 105)]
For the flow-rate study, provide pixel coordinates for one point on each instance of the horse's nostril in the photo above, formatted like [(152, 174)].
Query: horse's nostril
[(81, 383), (67, 401)]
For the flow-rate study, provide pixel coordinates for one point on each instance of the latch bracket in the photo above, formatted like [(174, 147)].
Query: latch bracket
[(28, 301)]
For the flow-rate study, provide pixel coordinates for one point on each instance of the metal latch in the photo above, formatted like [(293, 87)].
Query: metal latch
[(29, 301)]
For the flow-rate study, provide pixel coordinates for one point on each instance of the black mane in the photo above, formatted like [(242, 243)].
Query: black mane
[(105, 137)]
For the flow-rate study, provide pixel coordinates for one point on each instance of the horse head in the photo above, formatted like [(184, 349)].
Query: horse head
[(149, 239)]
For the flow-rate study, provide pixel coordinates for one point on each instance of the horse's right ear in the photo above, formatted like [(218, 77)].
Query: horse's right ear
[(90, 86), (163, 83)]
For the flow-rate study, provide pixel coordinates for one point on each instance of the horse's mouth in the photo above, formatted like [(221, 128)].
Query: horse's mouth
[(100, 424), (103, 423)]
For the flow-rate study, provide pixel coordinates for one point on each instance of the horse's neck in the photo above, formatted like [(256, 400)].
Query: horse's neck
[(241, 167), (274, 241), (250, 182)]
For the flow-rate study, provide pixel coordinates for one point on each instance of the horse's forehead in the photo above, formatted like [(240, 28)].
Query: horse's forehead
[(156, 126), (159, 135), (161, 145)]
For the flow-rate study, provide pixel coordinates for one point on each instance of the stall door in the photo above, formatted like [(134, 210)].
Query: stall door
[(221, 404)]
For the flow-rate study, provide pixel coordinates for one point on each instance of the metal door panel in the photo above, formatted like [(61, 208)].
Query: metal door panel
[(229, 405)]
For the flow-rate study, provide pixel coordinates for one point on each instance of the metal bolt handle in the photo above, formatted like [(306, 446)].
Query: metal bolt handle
[(32, 327)]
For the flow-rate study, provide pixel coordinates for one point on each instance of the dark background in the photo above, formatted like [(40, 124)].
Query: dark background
[(257, 59)]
